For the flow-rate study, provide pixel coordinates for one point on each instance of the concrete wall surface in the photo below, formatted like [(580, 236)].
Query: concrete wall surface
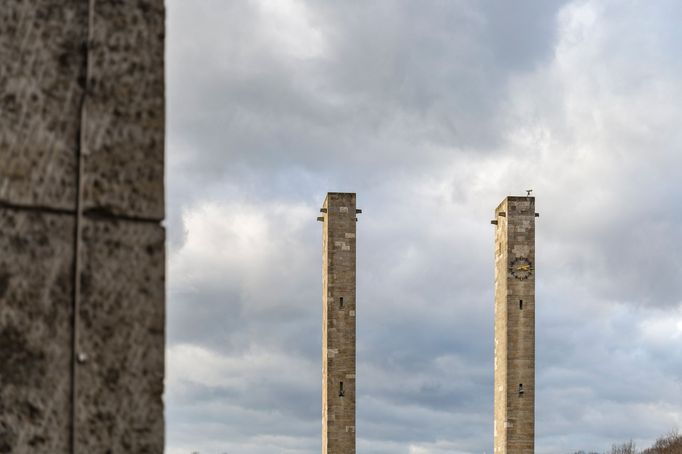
[(82, 268)]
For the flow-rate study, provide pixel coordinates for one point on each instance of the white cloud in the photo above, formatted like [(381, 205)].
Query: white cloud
[(662, 330), (291, 26), (191, 364), (256, 249)]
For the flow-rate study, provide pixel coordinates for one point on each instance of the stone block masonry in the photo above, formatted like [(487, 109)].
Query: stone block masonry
[(514, 424), (82, 303), (338, 324)]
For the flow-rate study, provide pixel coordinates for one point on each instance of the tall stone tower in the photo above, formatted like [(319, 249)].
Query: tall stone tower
[(338, 325), (514, 426)]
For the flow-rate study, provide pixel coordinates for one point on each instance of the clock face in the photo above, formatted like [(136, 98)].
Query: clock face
[(521, 268)]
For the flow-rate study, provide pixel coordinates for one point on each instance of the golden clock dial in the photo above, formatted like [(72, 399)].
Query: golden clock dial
[(521, 268)]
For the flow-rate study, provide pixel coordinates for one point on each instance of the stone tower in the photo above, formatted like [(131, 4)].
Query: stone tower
[(338, 325), (514, 426)]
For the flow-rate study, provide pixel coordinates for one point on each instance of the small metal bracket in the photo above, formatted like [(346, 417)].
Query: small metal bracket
[(493, 222), (537, 215), (502, 213), (358, 211), (323, 210), (320, 218)]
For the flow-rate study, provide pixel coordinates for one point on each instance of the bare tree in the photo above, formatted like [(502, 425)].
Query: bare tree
[(668, 444), (625, 448)]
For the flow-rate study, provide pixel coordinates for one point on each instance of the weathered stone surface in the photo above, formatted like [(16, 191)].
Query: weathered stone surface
[(36, 267), (514, 427), (42, 63), (124, 153), (121, 331), (44, 75), (338, 326)]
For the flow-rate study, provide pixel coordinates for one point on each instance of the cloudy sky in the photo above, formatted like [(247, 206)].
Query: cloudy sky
[(432, 111)]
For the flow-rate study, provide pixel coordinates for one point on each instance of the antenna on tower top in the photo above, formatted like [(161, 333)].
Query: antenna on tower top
[(528, 192)]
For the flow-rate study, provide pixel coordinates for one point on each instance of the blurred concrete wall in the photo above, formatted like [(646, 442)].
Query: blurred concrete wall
[(81, 242)]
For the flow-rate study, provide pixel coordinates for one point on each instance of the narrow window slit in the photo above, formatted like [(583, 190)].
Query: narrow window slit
[(521, 304), (341, 391), (520, 389), (341, 302)]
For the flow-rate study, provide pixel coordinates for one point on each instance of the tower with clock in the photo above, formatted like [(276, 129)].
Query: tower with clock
[(514, 424)]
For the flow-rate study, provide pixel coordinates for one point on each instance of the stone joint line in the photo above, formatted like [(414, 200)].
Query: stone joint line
[(86, 214), (80, 145)]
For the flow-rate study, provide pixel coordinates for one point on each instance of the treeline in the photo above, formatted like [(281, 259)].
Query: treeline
[(668, 444)]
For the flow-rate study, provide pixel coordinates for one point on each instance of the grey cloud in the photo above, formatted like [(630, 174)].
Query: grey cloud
[(522, 35), (394, 81)]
